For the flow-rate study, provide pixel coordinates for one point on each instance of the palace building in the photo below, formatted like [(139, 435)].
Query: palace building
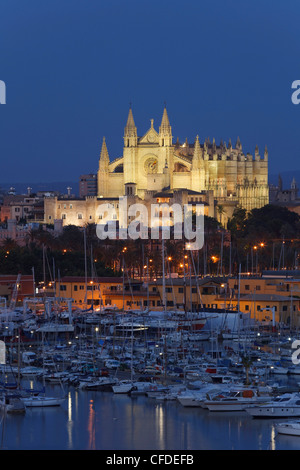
[(154, 168)]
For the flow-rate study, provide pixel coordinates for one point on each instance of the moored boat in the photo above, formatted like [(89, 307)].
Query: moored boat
[(290, 428), (286, 405), (42, 401), (235, 400), (12, 403)]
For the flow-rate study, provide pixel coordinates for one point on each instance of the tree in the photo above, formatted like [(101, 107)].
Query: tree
[(247, 363)]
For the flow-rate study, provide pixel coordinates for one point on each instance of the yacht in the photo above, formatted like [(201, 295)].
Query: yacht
[(282, 406), (236, 400), (291, 428)]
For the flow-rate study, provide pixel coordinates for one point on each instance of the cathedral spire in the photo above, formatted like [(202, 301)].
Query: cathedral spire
[(104, 157), (130, 121), (130, 132), (103, 172), (165, 123), (238, 144), (197, 155), (165, 131)]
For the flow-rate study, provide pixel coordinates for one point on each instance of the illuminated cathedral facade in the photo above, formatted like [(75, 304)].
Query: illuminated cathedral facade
[(155, 168)]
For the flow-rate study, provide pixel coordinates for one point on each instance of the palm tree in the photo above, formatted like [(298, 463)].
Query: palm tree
[(247, 363)]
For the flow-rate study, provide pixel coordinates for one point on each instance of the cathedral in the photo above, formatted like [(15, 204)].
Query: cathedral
[(153, 163), (154, 168)]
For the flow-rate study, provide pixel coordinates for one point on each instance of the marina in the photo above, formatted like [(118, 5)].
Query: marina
[(111, 385)]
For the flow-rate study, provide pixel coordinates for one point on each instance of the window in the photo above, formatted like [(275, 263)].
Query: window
[(258, 308), (49, 217), (63, 216), (257, 287), (180, 290), (79, 216), (63, 287), (284, 308), (169, 289), (247, 287), (75, 288), (247, 308), (194, 290)]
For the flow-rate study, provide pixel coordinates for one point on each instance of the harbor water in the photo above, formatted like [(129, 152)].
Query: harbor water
[(94, 420)]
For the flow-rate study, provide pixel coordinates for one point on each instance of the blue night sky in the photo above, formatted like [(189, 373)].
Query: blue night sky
[(71, 68)]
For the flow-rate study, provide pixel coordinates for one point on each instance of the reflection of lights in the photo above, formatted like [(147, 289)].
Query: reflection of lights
[(273, 436), (160, 424), (91, 426)]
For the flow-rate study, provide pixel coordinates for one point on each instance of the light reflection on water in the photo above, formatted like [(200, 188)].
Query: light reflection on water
[(103, 421)]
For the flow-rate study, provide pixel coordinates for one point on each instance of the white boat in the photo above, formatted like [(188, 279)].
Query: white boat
[(55, 328), (235, 400), (124, 386), (286, 405), (93, 383), (140, 388), (31, 371), (56, 377), (196, 398), (290, 428), (42, 401)]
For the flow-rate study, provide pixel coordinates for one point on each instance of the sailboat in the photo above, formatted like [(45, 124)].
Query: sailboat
[(42, 401), (34, 399)]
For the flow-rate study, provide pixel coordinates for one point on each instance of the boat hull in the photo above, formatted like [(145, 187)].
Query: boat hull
[(35, 402), (289, 428), (274, 412)]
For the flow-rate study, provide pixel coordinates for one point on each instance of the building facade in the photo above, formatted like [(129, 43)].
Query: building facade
[(153, 167)]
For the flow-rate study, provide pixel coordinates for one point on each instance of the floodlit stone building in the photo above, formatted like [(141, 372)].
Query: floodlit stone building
[(153, 167)]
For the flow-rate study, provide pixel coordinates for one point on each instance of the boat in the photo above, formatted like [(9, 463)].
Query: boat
[(286, 405), (94, 383), (56, 328), (12, 403), (290, 428), (31, 371), (236, 400), (124, 386), (42, 401)]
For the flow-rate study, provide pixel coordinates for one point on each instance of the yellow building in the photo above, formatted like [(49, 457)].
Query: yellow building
[(257, 297), (106, 292)]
